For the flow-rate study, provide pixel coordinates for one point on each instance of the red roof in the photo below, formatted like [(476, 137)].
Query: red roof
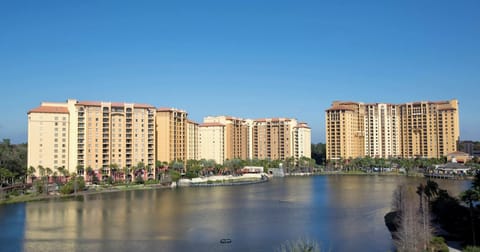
[(89, 103), (212, 125), (49, 109), (340, 107)]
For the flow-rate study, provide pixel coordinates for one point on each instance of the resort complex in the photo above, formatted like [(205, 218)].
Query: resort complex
[(77, 135), (380, 130)]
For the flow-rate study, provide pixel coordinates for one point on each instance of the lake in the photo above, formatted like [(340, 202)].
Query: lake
[(341, 213)]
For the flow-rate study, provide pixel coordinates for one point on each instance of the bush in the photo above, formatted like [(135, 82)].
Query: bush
[(38, 186), (438, 244), (139, 179), (69, 187), (151, 182), (175, 175), (471, 249), (95, 180)]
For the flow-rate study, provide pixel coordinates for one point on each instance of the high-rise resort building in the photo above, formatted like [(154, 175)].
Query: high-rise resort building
[(76, 135), (171, 130), (226, 137), (416, 129), (236, 135), (212, 141), (111, 137), (192, 140)]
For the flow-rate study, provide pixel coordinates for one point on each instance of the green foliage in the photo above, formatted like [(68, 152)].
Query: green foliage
[(13, 157), (471, 249), (39, 186), (151, 182), (175, 175), (438, 244), (69, 187), (95, 179), (139, 180), (299, 245), (319, 153)]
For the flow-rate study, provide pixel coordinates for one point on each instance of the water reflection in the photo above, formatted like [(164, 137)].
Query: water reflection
[(341, 213)]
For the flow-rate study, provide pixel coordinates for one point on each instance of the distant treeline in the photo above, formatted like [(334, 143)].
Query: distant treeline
[(319, 153), (13, 161)]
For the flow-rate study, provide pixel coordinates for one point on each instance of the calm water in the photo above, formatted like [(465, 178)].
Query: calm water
[(343, 213)]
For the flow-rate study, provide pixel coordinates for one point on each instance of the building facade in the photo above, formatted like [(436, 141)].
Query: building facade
[(171, 134), (192, 140), (236, 135), (273, 138), (345, 130), (115, 134), (78, 135), (212, 142), (49, 136), (91, 134), (302, 141), (418, 129)]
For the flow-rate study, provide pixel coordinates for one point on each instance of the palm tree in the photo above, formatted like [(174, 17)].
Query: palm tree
[(471, 196), (31, 172), (80, 170), (49, 173), (113, 171), (89, 173)]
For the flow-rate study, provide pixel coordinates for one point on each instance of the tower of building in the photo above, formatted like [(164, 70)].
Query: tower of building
[(79, 135), (409, 130), (212, 141), (236, 135), (171, 134)]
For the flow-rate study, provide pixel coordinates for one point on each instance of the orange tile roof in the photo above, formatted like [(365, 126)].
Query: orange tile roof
[(190, 121), (212, 125), (49, 109), (165, 109), (89, 103), (340, 107)]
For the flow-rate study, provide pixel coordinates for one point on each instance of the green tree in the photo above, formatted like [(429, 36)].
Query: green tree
[(90, 173), (31, 172), (471, 196)]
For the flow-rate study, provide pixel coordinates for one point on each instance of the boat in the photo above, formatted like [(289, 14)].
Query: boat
[(223, 241)]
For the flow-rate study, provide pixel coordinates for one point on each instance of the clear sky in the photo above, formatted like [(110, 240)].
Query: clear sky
[(243, 58)]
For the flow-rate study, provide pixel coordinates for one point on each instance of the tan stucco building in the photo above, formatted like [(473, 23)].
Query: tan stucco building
[(91, 134), (236, 135), (212, 141), (102, 134), (417, 129), (192, 140), (171, 134), (49, 136), (302, 141)]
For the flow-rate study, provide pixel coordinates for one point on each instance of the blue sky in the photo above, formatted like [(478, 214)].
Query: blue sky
[(250, 59)]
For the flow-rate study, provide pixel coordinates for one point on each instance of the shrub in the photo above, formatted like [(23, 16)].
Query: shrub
[(438, 244), (471, 249), (139, 179), (69, 187)]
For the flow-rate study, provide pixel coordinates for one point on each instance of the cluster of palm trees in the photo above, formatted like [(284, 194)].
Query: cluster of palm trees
[(369, 163), (115, 173), (195, 168)]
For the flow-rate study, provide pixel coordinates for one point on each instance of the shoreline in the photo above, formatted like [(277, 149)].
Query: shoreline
[(118, 188)]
